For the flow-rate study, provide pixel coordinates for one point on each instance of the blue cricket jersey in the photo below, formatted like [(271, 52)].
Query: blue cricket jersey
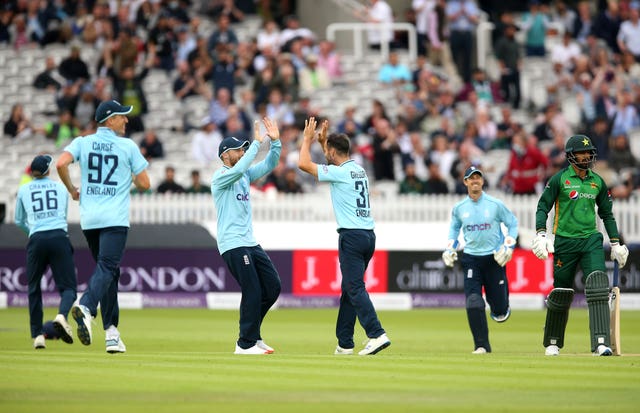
[(349, 187), (107, 162), (42, 206), (230, 188), (480, 224)]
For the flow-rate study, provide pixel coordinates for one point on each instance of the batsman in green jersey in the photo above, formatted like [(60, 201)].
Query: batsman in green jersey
[(575, 192)]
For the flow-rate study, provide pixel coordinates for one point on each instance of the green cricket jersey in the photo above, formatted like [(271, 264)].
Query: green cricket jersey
[(575, 200)]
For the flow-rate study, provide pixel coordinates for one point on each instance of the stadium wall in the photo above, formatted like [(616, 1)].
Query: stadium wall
[(179, 266)]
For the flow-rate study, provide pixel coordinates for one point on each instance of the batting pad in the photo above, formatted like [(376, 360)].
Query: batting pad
[(558, 304), (596, 290)]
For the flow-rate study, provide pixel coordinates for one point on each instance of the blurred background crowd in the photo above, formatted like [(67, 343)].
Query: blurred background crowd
[(198, 71)]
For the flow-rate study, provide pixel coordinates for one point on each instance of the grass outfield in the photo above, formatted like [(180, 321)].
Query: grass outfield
[(181, 361)]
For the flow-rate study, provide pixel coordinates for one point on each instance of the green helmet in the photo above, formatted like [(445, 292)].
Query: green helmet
[(578, 144)]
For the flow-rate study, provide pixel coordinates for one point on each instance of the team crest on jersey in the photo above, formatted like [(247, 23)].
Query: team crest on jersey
[(594, 185), (573, 194), (325, 169)]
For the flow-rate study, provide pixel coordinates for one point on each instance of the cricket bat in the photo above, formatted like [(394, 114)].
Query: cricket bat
[(614, 308)]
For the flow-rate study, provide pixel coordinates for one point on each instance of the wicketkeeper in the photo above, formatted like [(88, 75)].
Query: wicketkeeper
[(486, 252), (575, 191)]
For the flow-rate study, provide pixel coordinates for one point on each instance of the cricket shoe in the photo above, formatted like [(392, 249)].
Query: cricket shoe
[(479, 350), (113, 341), (38, 342), (255, 350), (83, 317), (501, 318), (261, 344), (603, 350), (375, 345), (552, 350), (63, 328), (343, 351)]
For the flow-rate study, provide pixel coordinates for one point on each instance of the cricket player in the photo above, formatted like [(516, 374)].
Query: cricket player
[(349, 187), (486, 252), (249, 264), (109, 164), (41, 211), (576, 191)]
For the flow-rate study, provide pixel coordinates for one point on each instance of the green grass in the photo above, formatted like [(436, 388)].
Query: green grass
[(181, 361)]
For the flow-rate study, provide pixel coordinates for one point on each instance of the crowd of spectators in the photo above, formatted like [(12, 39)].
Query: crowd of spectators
[(445, 119)]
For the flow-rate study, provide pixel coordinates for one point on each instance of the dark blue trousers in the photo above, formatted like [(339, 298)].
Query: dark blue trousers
[(107, 247), (483, 271), (54, 249), (260, 285), (355, 249)]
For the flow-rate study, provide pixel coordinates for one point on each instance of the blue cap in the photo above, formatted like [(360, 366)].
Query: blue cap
[(230, 143), (472, 170), (40, 164), (49, 331), (110, 108)]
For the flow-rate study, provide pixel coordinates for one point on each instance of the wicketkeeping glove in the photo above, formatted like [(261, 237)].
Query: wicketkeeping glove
[(542, 246), (450, 255), (619, 253), (503, 254)]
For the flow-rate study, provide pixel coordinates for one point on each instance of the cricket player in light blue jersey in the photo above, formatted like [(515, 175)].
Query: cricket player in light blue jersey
[(41, 212), (249, 264), (109, 164), (486, 252), (349, 186)]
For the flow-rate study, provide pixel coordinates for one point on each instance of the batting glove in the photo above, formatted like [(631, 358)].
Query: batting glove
[(503, 254), (542, 246), (450, 255), (619, 253)]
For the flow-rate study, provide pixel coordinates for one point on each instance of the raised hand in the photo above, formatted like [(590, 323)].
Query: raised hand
[(310, 129), (256, 131), (272, 128), (322, 136)]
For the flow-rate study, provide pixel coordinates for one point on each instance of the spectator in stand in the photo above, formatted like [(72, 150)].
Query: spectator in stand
[(556, 155), (49, 79), (384, 147), (378, 111), (223, 35), (124, 49), (62, 131), (236, 125), (185, 43), (600, 137), (625, 114), (535, 24), (422, 8), (487, 91), (506, 129), (487, 128), (293, 31), (566, 52), (620, 155), (196, 185), (607, 25), (224, 70), (279, 110), (411, 183), (510, 62), (393, 72), (163, 38), (439, 51), (73, 68), (268, 39), (564, 16), (287, 81), (582, 25), (558, 83), (290, 182), (129, 90), (329, 59), (99, 27), (204, 146), (348, 124), (378, 11), (169, 185), (151, 146), (313, 77), (86, 106), (18, 125), (219, 107), (185, 84), (435, 183), (629, 35), (463, 16), (527, 166), (227, 8)]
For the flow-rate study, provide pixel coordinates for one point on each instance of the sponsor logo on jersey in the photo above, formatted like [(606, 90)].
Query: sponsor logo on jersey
[(325, 169), (242, 197), (478, 227), (573, 194), (567, 182)]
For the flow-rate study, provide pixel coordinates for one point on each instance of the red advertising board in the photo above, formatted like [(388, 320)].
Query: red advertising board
[(528, 274), (317, 272)]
